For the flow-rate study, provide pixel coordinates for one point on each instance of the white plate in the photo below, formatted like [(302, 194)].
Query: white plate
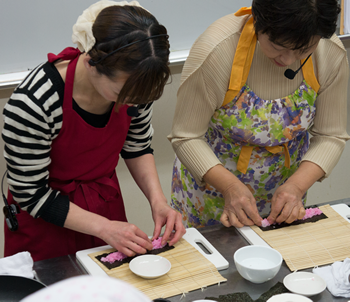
[(303, 283), (149, 266), (288, 298)]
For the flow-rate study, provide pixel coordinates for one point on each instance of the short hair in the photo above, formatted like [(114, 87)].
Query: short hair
[(146, 62), (293, 23)]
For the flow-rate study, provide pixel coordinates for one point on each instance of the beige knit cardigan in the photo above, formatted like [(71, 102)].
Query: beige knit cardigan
[(204, 82)]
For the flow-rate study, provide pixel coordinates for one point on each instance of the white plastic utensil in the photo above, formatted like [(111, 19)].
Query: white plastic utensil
[(304, 283), (150, 266)]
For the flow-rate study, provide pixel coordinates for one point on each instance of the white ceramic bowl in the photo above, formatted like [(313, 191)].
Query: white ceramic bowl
[(304, 283), (257, 264), (149, 266)]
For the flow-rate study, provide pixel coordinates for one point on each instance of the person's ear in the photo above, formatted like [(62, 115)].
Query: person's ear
[(87, 64)]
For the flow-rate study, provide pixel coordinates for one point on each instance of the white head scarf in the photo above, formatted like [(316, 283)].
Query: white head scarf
[(82, 29), (88, 289)]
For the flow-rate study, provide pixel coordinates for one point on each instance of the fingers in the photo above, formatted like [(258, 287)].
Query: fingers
[(179, 228), (170, 223), (228, 218), (225, 220), (302, 213), (276, 209), (243, 218), (253, 214), (238, 216), (157, 231), (142, 241)]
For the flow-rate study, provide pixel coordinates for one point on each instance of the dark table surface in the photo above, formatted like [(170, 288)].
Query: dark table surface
[(225, 240)]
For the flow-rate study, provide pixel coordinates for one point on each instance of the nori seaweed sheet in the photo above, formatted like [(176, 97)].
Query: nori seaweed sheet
[(278, 288), (296, 222), (235, 297), (128, 259)]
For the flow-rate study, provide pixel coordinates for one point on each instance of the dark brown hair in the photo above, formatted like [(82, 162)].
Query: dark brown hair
[(146, 62), (293, 23)]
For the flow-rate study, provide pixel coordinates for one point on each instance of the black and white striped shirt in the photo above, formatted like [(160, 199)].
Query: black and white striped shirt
[(32, 120)]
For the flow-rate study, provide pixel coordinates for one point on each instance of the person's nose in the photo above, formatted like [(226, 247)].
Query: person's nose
[(288, 57)]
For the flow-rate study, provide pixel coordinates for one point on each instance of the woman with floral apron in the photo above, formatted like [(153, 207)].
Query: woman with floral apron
[(73, 127), (260, 141)]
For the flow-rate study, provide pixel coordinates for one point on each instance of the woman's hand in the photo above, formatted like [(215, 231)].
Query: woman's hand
[(286, 204), (240, 207), (126, 238), (162, 215)]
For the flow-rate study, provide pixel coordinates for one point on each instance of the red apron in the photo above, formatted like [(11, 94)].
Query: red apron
[(83, 162)]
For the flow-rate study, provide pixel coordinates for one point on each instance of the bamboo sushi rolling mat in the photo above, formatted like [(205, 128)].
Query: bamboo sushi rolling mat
[(190, 270), (311, 244)]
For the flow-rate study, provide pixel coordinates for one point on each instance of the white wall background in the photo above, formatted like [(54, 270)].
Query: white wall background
[(336, 187)]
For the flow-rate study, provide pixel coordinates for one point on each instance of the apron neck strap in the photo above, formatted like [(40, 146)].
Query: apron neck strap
[(71, 54), (244, 57), (68, 53)]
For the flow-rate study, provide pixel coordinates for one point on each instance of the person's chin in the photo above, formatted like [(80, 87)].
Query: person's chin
[(277, 63)]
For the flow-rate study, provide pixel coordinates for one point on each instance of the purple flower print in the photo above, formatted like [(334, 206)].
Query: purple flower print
[(212, 222), (272, 182)]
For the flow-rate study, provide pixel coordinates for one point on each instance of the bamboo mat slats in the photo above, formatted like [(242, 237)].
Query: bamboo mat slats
[(311, 244), (190, 270)]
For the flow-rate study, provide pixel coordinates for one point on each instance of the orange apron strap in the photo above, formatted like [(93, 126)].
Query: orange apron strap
[(243, 58), (244, 157), (309, 74), (278, 149), (244, 11), (246, 153)]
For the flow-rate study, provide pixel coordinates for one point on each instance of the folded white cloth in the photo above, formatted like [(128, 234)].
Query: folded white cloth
[(20, 264), (337, 277)]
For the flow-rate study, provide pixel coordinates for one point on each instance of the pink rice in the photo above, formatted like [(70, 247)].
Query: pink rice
[(308, 214), (118, 256)]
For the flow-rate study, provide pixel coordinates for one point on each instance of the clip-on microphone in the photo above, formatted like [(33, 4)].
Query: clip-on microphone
[(10, 211), (133, 111), (290, 73)]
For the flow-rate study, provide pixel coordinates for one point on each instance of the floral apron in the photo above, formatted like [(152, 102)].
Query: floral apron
[(260, 141)]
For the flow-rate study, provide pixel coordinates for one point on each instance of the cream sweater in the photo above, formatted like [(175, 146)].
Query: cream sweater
[(205, 80)]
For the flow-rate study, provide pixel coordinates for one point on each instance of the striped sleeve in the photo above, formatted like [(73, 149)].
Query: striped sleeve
[(32, 119), (138, 140)]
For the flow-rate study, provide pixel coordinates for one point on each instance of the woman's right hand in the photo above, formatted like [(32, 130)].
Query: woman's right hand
[(123, 236), (240, 207), (126, 238)]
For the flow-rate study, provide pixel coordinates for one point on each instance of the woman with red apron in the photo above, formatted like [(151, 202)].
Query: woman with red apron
[(82, 166)]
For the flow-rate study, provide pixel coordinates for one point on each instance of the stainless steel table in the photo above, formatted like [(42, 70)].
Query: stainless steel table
[(225, 240)]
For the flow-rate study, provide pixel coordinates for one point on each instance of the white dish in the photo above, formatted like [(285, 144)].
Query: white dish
[(288, 298), (304, 283), (256, 263), (150, 266)]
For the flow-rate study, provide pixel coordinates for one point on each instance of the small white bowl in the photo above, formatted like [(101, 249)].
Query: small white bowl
[(304, 283), (288, 298), (257, 264), (150, 266)]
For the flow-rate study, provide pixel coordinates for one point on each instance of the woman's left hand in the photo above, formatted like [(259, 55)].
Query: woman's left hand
[(286, 204), (162, 215)]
